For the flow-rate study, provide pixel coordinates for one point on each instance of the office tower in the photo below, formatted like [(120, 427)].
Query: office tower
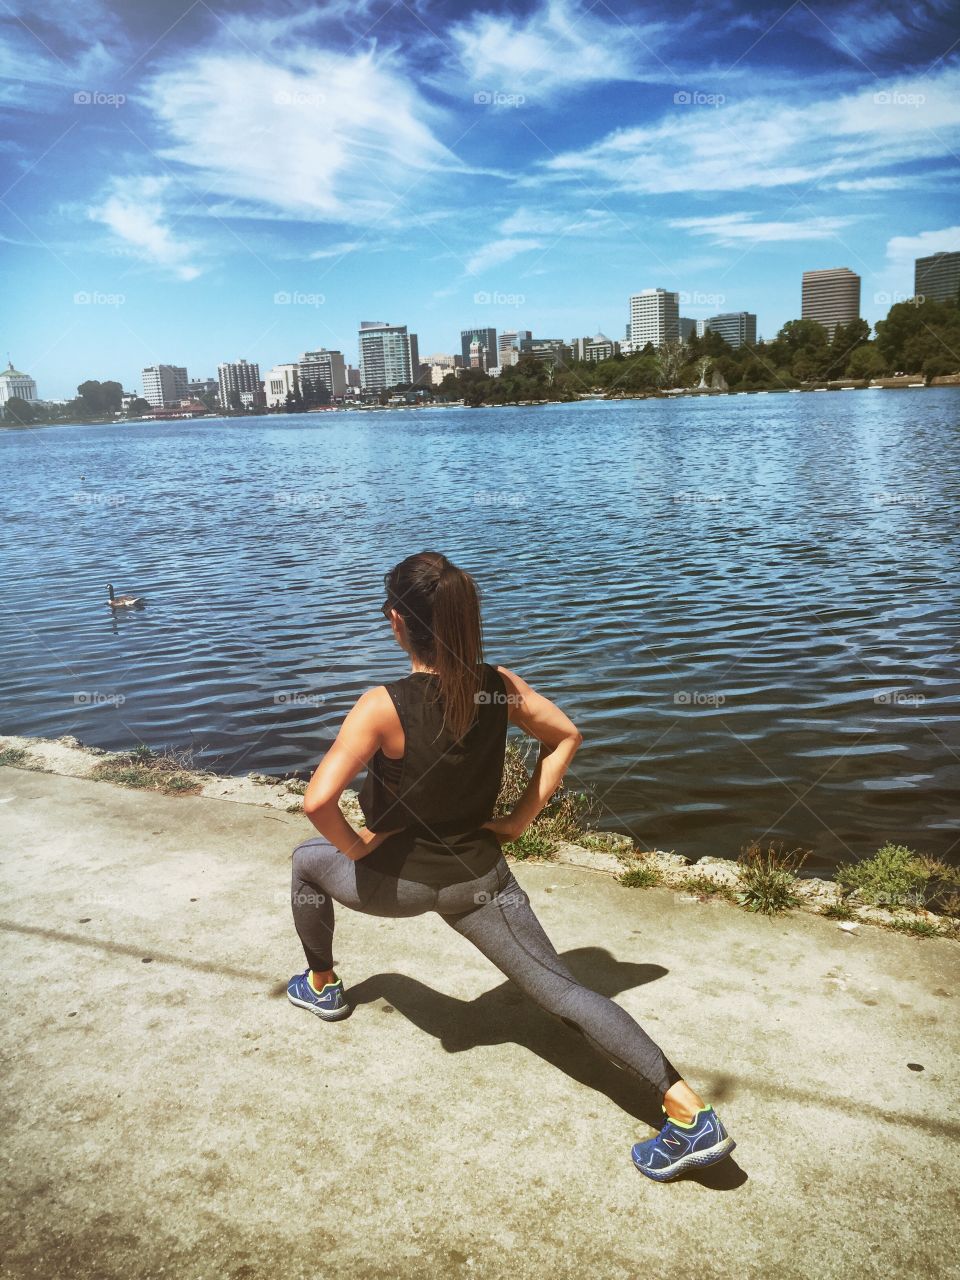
[(279, 382), (389, 355), (487, 338), (831, 297), (738, 328), (240, 385), (937, 278), (510, 341), (164, 384), (353, 376), (654, 317), (688, 327), (13, 383), (322, 369)]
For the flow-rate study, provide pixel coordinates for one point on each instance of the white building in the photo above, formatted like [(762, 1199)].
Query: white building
[(14, 383), (164, 384), (323, 368), (279, 382), (594, 349), (388, 355), (654, 317), (240, 381)]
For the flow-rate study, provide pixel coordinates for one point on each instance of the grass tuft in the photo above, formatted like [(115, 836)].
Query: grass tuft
[(13, 757), (169, 771), (768, 877), (642, 877)]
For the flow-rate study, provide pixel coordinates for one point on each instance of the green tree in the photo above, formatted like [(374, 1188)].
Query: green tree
[(21, 412)]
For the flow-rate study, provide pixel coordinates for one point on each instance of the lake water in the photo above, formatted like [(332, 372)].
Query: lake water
[(749, 605)]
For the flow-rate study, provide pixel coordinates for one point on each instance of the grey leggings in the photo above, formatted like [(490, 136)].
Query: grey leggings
[(495, 915)]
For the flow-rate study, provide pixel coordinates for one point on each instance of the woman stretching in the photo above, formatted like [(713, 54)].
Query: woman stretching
[(433, 744)]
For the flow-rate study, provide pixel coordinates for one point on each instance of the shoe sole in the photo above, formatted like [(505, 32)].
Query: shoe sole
[(335, 1016), (695, 1160)]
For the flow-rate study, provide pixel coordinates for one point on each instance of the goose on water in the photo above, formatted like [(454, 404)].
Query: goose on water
[(124, 602)]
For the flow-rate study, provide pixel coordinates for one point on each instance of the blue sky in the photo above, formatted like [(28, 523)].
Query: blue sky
[(196, 182)]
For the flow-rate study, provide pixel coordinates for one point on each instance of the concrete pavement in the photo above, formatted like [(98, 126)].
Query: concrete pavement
[(167, 1112)]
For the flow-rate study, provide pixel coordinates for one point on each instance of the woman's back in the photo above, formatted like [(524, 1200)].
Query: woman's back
[(442, 790)]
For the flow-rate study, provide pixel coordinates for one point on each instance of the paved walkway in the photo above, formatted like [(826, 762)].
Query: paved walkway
[(167, 1113)]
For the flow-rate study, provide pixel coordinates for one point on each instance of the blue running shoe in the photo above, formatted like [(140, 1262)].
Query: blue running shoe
[(678, 1147), (330, 1004)]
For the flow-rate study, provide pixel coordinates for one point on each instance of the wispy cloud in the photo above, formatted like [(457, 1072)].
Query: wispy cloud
[(760, 144), (499, 251), (318, 135), (558, 46), (136, 212), (731, 229)]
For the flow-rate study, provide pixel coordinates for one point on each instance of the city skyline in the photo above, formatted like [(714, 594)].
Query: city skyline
[(183, 186)]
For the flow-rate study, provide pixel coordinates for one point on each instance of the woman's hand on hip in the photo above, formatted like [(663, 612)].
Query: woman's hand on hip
[(504, 828)]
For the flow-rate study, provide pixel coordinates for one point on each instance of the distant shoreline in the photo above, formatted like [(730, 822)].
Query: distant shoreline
[(680, 393)]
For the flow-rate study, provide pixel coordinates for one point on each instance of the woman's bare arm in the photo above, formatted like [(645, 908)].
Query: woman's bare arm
[(560, 738), (360, 736)]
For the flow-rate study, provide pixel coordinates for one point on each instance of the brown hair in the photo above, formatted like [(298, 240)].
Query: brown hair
[(440, 605)]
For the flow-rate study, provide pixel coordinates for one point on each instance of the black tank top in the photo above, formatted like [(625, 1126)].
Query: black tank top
[(441, 790)]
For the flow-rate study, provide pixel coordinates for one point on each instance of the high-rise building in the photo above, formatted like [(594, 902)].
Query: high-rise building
[(510, 340), (738, 328), (654, 317), (324, 369), (165, 384), (487, 338), (831, 297), (688, 327), (240, 385), (353, 376), (279, 382), (937, 278), (14, 383), (388, 355)]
